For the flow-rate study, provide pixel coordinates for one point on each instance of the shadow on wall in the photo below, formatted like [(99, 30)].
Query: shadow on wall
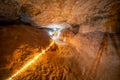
[(113, 25), (21, 20), (16, 43), (113, 22)]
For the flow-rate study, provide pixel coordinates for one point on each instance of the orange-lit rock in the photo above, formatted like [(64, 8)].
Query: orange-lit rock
[(95, 14), (88, 49), (17, 43)]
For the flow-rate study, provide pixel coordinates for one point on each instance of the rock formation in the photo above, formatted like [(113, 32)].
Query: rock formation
[(95, 14), (92, 39)]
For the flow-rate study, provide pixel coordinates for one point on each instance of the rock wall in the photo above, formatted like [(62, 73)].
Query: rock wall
[(90, 54), (17, 43), (97, 15)]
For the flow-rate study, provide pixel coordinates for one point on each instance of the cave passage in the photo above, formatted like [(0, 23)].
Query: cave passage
[(60, 39)]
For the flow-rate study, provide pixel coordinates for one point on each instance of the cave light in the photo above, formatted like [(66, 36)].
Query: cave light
[(30, 62), (54, 29), (50, 33), (57, 28), (55, 35)]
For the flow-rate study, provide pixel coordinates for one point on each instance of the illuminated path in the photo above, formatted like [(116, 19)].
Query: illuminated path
[(30, 62)]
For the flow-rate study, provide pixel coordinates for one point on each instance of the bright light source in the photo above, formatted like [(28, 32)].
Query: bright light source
[(31, 62), (54, 29), (50, 33), (55, 26)]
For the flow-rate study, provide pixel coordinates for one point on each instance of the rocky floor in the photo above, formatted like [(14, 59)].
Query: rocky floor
[(87, 56), (91, 48)]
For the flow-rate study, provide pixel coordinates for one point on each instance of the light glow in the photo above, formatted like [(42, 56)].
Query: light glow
[(54, 29), (57, 28), (50, 33), (55, 37), (30, 62)]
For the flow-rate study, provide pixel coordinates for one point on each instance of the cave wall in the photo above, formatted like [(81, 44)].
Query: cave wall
[(95, 15), (88, 15)]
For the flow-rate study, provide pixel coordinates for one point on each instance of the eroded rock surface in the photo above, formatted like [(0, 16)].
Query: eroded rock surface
[(92, 41), (95, 14), (17, 43)]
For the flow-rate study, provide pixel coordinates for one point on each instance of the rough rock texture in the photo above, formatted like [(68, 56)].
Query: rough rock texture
[(87, 56), (95, 15), (98, 54), (91, 47), (58, 63), (17, 43), (9, 10)]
